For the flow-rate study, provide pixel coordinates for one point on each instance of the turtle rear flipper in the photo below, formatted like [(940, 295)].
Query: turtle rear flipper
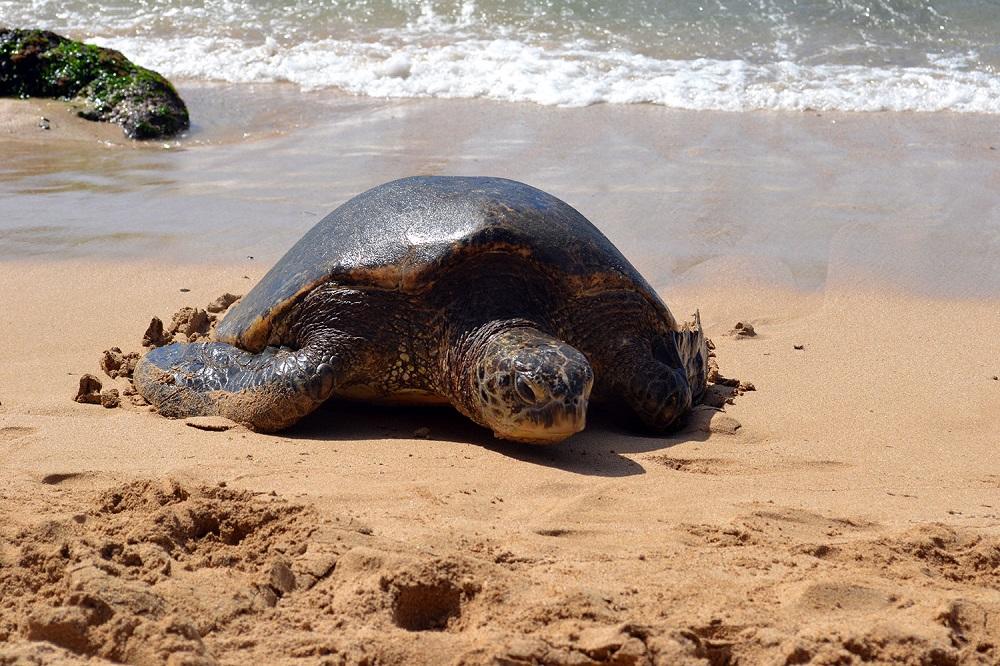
[(266, 391)]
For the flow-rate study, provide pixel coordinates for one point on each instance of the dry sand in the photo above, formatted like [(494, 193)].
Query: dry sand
[(853, 516)]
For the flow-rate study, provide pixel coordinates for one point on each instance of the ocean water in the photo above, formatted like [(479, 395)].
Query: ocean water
[(732, 55)]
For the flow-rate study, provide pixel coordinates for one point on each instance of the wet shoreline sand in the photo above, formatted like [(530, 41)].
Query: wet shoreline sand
[(852, 515), (800, 198)]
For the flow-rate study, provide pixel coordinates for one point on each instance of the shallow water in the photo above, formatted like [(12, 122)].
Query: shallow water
[(904, 55), (807, 201)]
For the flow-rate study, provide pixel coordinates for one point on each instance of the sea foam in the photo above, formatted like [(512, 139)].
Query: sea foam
[(570, 74), (886, 55)]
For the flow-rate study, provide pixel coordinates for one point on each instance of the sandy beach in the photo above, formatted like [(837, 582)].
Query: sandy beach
[(847, 510)]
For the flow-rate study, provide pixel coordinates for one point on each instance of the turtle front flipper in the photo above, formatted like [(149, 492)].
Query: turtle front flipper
[(266, 391), (661, 385), (644, 361)]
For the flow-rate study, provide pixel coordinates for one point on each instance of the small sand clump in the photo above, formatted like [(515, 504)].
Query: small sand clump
[(706, 418), (193, 323), (720, 391), (110, 398), (155, 336), (116, 363), (743, 329), (222, 303), (188, 324), (89, 391)]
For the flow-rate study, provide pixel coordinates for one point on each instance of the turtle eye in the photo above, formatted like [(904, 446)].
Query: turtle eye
[(525, 390)]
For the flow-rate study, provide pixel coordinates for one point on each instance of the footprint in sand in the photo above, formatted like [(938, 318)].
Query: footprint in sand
[(729, 467), (839, 596), (804, 531), (811, 533), (12, 433), (710, 466)]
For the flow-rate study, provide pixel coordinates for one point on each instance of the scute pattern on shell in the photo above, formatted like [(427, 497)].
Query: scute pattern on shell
[(403, 234)]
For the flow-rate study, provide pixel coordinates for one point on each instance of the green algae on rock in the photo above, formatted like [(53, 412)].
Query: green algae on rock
[(102, 82)]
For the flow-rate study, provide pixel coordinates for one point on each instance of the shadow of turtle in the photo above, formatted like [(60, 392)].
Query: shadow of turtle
[(597, 451)]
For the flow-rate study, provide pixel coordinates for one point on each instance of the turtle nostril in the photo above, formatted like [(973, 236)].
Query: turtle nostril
[(525, 390)]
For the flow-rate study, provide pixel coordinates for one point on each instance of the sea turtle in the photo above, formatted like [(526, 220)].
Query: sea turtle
[(484, 293)]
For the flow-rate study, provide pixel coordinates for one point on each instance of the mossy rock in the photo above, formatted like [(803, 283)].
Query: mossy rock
[(103, 83)]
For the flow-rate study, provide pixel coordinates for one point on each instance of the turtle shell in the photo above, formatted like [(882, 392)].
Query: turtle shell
[(403, 234)]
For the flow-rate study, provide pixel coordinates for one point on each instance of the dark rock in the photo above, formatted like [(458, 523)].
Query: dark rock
[(111, 360), (127, 368), (89, 391), (102, 83)]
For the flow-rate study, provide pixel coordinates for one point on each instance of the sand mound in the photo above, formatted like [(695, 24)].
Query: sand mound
[(155, 571), (117, 580)]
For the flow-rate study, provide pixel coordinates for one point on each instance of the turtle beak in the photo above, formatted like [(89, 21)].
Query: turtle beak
[(556, 421), (558, 428)]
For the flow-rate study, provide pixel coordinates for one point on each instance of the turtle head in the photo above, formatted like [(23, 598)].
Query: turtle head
[(531, 387)]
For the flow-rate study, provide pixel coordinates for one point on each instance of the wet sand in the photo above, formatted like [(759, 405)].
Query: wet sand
[(853, 515)]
